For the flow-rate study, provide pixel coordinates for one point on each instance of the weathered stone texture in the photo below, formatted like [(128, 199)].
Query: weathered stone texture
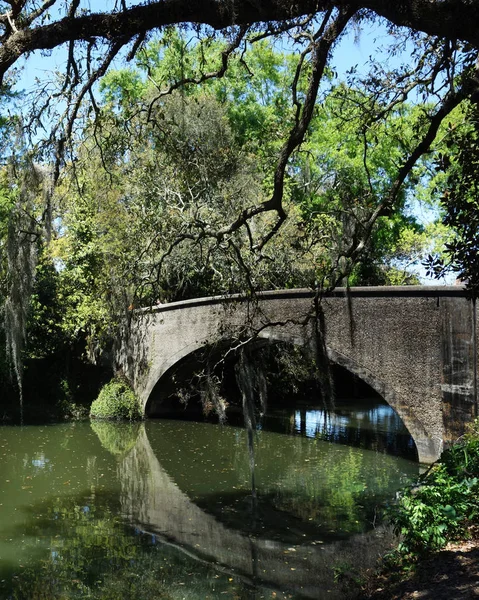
[(415, 346)]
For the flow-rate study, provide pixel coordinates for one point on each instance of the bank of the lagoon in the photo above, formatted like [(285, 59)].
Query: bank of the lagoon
[(449, 574), (166, 509), (438, 519)]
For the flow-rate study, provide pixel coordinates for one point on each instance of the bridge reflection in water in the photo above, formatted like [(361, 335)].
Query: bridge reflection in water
[(154, 502)]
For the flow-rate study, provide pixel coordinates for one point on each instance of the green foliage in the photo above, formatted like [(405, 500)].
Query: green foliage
[(60, 386), (444, 501), (459, 164), (92, 554), (46, 312), (117, 438), (116, 400), (345, 572), (348, 167), (216, 147), (83, 257)]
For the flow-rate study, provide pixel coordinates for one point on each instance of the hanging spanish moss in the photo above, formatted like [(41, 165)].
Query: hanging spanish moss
[(211, 399), (31, 186), (252, 385)]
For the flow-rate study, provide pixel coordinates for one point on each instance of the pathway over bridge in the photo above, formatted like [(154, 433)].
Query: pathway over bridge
[(416, 346)]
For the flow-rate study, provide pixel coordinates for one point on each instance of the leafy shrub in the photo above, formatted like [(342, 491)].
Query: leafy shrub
[(444, 501), (116, 400)]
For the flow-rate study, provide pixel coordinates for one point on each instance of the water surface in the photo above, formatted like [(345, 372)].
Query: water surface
[(166, 509)]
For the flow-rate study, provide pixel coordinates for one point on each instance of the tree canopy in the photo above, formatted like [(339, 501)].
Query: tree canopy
[(187, 149), (440, 68)]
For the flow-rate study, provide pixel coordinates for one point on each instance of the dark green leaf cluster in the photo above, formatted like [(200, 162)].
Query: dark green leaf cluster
[(460, 201)]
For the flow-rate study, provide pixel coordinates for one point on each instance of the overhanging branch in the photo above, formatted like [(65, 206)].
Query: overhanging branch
[(453, 19)]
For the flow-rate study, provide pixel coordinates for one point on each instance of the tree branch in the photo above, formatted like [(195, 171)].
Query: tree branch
[(452, 19), (363, 230)]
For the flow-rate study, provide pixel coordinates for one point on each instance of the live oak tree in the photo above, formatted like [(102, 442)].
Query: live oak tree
[(29, 26), (442, 66), (169, 174), (439, 38)]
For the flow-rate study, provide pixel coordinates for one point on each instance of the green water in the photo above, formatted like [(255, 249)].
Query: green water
[(165, 509)]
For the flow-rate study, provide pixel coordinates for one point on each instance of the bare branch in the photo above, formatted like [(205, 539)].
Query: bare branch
[(296, 136), (33, 16), (73, 8), (95, 76)]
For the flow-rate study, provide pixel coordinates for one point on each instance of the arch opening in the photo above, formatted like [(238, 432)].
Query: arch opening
[(360, 414), (177, 393)]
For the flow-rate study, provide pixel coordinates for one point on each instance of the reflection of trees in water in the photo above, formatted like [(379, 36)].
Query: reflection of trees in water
[(94, 554), (91, 543), (151, 498), (377, 427), (334, 488)]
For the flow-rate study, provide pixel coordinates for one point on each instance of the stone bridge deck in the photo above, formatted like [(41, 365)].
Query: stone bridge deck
[(416, 345)]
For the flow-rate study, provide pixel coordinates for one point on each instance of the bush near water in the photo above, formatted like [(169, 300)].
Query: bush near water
[(443, 504), (116, 401)]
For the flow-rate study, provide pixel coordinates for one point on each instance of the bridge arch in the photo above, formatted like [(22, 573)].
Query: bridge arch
[(215, 352), (162, 370), (411, 423), (425, 446), (416, 346)]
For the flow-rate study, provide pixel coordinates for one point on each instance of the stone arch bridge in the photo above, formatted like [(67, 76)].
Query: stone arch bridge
[(416, 346)]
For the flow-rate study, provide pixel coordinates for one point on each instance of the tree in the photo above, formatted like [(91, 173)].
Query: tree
[(362, 184), (27, 27), (174, 171), (459, 165), (103, 36)]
